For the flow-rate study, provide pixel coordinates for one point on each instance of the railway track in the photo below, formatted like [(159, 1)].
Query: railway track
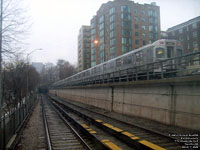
[(134, 136), (59, 133)]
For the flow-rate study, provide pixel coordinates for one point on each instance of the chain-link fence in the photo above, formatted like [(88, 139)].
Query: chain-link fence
[(12, 120)]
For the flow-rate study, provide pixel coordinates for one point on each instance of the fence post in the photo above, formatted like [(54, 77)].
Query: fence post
[(136, 74), (4, 132), (14, 119), (161, 66), (147, 72)]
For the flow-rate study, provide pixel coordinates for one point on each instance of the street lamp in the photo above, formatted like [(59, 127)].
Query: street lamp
[(28, 54)]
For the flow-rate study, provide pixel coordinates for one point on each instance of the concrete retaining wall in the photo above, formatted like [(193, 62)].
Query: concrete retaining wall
[(174, 103)]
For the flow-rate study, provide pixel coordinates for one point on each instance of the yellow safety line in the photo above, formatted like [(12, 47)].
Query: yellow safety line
[(99, 121), (151, 145), (111, 145)]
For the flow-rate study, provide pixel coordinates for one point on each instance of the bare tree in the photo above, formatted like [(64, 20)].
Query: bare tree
[(14, 26), (65, 69), (15, 80)]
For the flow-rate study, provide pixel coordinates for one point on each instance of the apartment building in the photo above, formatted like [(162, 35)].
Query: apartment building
[(188, 33), (120, 26), (84, 48)]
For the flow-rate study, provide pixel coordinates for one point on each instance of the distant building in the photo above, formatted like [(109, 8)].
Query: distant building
[(188, 33), (38, 66), (121, 26), (84, 50), (163, 35)]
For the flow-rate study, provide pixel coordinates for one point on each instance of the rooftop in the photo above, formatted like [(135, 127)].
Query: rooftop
[(191, 21)]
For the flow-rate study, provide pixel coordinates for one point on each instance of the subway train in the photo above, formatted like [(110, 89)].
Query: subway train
[(124, 66)]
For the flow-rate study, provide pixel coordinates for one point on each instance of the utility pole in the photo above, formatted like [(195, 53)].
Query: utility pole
[(1, 23)]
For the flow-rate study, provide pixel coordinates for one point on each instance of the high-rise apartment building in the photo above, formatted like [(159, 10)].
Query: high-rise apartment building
[(188, 33), (121, 26), (84, 48)]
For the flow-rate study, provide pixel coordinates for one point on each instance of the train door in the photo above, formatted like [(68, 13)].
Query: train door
[(170, 50)]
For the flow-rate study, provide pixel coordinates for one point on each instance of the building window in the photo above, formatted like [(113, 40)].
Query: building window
[(188, 46), (112, 18), (112, 26), (195, 45), (150, 13), (101, 19), (143, 35), (101, 40), (144, 42), (156, 28), (150, 28), (113, 49), (92, 25), (101, 33), (180, 30), (194, 34), (143, 27), (188, 38), (127, 41), (112, 10), (150, 20), (125, 8), (150, 41), (136, 26), (112, 34), (173, 33), (126, 24), (125, 16), (126, 32), (143, 20), (136, 33), (92, 31), (135, 11), (136, 42), (151, 35), (101, 26), (194, 25), (136, 19), (187, 28), (112, 42), (143, 12)]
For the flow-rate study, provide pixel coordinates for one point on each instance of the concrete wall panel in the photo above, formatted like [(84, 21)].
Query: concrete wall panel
[(169, 103)]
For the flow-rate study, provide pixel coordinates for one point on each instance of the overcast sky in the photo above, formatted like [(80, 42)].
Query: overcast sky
[(56, 23)]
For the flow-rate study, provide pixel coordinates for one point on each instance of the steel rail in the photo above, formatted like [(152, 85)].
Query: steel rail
[(57, 109), (46, 127)]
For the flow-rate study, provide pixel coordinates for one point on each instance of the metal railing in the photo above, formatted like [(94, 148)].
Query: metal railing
[(11, 121), (185, 65)]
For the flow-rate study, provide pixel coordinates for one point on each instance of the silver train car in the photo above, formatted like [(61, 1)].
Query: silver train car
[(159, 50)]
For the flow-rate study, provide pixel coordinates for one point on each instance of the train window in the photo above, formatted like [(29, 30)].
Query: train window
[(119, 62), (104, 67), (133, 56), (141, 54), (127, 60), (170, 50), (137, 56), (179, 52), (100, 68), (159, 52), (111, 65)]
